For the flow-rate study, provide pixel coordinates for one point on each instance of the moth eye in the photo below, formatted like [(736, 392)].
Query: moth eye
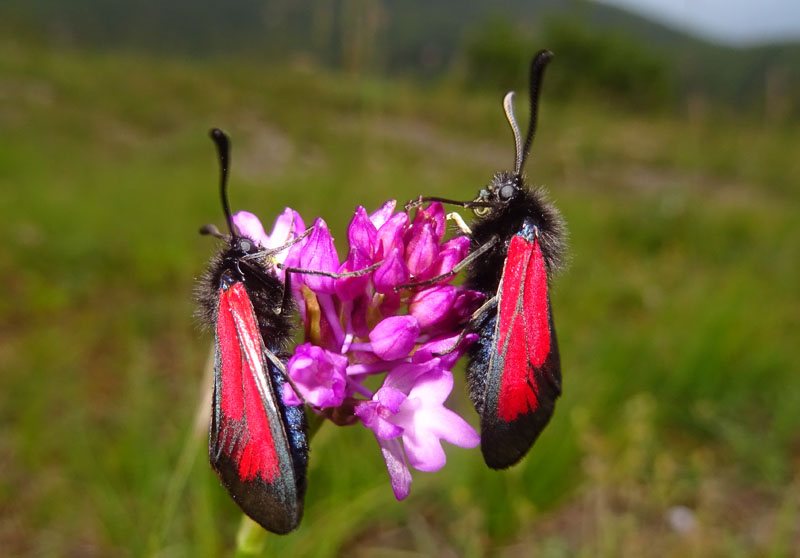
[(506, 192), (246, 246)]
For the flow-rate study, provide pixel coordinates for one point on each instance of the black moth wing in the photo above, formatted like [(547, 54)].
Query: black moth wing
[(277, 505), (504, 443)]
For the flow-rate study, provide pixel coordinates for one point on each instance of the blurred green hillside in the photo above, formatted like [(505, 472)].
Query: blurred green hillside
[(432, 40), (678, 316)]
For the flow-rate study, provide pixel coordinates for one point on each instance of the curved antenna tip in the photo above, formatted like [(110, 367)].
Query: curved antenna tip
[(223, 144), (538, 65), (220, 138), (508, 108)]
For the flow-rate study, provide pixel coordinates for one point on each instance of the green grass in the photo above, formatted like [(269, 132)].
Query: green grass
[(678, 316)]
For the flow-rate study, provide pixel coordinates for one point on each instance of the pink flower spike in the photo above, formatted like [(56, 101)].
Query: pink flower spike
[(319, 254), (383, 214), (318, 374), (360, 328), (394, 337)]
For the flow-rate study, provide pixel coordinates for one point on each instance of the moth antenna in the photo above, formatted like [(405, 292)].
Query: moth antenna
[(538, 65), (211, 230), (223, 144), (508, 108)]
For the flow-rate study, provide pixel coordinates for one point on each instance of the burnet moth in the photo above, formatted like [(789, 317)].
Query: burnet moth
[(517, 244), (257, 445)]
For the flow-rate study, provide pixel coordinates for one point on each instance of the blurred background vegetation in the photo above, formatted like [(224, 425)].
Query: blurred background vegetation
[(673, 160)]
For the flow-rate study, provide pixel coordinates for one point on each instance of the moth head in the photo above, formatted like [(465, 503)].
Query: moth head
[(245, 246), (506, 186), (502, 190)]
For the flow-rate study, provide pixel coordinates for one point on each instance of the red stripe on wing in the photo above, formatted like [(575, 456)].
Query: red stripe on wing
[(244, 429), (523, 333), (510, 289), (537, 323)]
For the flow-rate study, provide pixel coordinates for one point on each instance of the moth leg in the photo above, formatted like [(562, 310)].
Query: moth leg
[(459, 221), (286, 304), (465, 204), (330, 274), (268, 253), (456, 268), (273, 358), (485, 307)]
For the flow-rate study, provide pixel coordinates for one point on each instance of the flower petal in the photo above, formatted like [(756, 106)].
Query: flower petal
[(390, 236), (250, 226), (434, 216), (399, 474), (319, 254), (433, 388), (390, 398), (320, 375), (394, 337), (350, 288), (440, 345), (362, 233), (391, 273), (432, 305), (426, 421), (375, 416), (422, 250), (288, 226), (423, 448), (450, 254), (403, 377), (423, 445), (383, 214)]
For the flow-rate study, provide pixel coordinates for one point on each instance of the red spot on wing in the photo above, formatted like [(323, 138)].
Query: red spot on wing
[(523, 334), (244, 428)]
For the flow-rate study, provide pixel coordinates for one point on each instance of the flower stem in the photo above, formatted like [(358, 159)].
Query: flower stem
[(250, 538)]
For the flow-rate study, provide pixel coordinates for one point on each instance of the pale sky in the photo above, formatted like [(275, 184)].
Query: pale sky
[(728, 21)]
